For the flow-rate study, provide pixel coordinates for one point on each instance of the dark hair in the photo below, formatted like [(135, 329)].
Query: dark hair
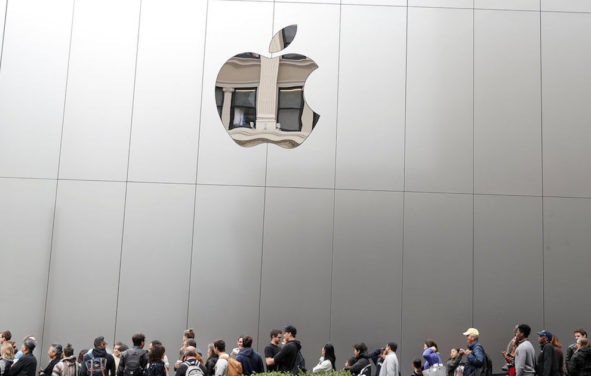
[(189, 333), (156, 354), (329, 355), (30, 344), (580, 330), (393, 346), (59, 350), (191, 342), (524, 329), (275, 333), (156, 342), (123, 347), (291, 329), (247, 341), (431, 343), (220, 345), (361, 347), (418, 364), (6, 335), (351, 361), (68, 350), (138, 338), (81, 355), (98, 341)]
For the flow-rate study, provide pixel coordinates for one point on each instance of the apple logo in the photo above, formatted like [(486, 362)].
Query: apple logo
[(261, 99)]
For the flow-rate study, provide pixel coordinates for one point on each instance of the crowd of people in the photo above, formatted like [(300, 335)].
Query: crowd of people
[(283, 354)]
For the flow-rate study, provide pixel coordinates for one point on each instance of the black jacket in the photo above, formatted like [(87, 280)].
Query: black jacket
[(547, 362), (285, 360), (184, 365), (453, 364), (361, 362), (136, 351), (580, 363), (99, 353), (49, 369), (251, 361), (26, 366), (210, 365)]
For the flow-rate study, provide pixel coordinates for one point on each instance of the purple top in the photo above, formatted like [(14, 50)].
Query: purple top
[(431, 358)]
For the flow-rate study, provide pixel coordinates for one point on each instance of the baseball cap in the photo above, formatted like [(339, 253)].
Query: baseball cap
[(471, 332), (545, 333)]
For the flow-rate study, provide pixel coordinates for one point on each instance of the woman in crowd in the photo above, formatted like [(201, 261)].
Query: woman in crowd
[(431, 354), (454, 362), (55, 354), (361, 359), (417, 368), (559, 355), (327, 360), (212, 359), (7, 358), (156, 361), (580, 364)]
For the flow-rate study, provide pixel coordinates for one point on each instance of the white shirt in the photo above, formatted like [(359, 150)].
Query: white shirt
[(323, 366), (390, 365)]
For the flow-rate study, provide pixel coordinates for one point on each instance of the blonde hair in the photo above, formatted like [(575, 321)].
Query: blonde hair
[(583, 342), (7, 351)]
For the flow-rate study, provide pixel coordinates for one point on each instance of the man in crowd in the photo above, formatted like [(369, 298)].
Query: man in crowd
[(251, 361), (547, 363), (105, 363), (133, 361), (272, 349), (5, 335), (189, 359), (286, 359), (390, 365), (570, 351), (525, 355), (27, 364), (221, 366), (474, 354)]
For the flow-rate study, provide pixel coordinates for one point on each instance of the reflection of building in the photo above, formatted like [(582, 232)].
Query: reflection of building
[(261, 99)]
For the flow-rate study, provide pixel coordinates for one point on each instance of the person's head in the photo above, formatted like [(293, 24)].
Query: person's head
[(523, 331), (117, 349), (555, 342), (544, 337), (154, 343), (580, 333), (472, 335), (28, 346), (191, 342), (68, 350), (210, 351), (328, 354), (275, 336), (290, 332), (190, 352), (55, 351), (99, 342), (454, 352), (359, 348), (391, 347), (7, 351), (138, 339), (81, 355), (350, 362), (240, 342), (156, 353), (219, 346), (417, 366), (247, 342), (582, 342), (430, 343), (189, 333), (5, 335)]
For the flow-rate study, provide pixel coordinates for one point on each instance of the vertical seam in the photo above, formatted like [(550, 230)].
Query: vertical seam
[(473, 155), (542, 176), (197, 166), (264, 211), (336, 143), (58, 169), (3, 33), (128, 160)]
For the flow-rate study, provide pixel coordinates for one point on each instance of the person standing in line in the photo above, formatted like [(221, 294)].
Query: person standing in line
[(156, 366), (189, 359), (474, 353), (55, 354), (454, 361), (431, 354), (212, 359), (134, 361), (5, 335), (27, 364), (7, 358), (547, 362), (251, 360), (118, 349), (68, 365), (525, 355), (417, 367), (327, 360), (580, 364), (390, 366), (272, 349), (98, 353), (287, 358), (361, 360), (559, 355), (579, 333), (221, 366)]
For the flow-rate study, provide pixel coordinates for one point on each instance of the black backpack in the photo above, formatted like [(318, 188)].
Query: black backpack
[(487, 368), (133, 362)]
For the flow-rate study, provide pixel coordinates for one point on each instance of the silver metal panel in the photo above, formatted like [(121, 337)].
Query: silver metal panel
[(370, 145), (26, 220), (168, 91), (566, 5), (439, 130), (32, 84), (297, 257), (249, 25), (82, 295), (567, 235), (226, 269), (367, 270), (375, 2), (312, 164), (442, 3), (507, 122), (97, 120), (508, 5), (508, 265), (155, 263), (437, 281), (566, 57)]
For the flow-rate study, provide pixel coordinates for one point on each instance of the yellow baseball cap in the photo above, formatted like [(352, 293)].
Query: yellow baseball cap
[(471, 332)]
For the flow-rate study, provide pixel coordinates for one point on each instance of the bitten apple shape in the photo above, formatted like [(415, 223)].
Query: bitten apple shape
[(261, 99)]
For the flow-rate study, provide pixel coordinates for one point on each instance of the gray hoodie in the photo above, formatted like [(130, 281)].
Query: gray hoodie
[(525, 359)]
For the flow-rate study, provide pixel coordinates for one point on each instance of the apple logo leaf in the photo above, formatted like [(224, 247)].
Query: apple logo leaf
[(283, 38)]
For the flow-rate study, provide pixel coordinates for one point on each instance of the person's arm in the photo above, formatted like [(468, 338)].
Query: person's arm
[(16, 367), (477, 356), (285, 350), (519, 362), (358, 366), (548, 358)]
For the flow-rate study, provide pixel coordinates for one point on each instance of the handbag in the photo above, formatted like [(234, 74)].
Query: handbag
[(436, 370)]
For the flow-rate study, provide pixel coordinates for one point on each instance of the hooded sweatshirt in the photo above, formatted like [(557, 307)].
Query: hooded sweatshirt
[(98, 353), (285, 360), (251, 361), (361, 361), (580, 363)]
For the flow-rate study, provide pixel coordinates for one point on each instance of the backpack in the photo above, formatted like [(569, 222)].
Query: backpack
[(234, 367), (95, 366), (487, 368), (69, 368), (156, 369), (300, 364), (133, 362), (193, 368)]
